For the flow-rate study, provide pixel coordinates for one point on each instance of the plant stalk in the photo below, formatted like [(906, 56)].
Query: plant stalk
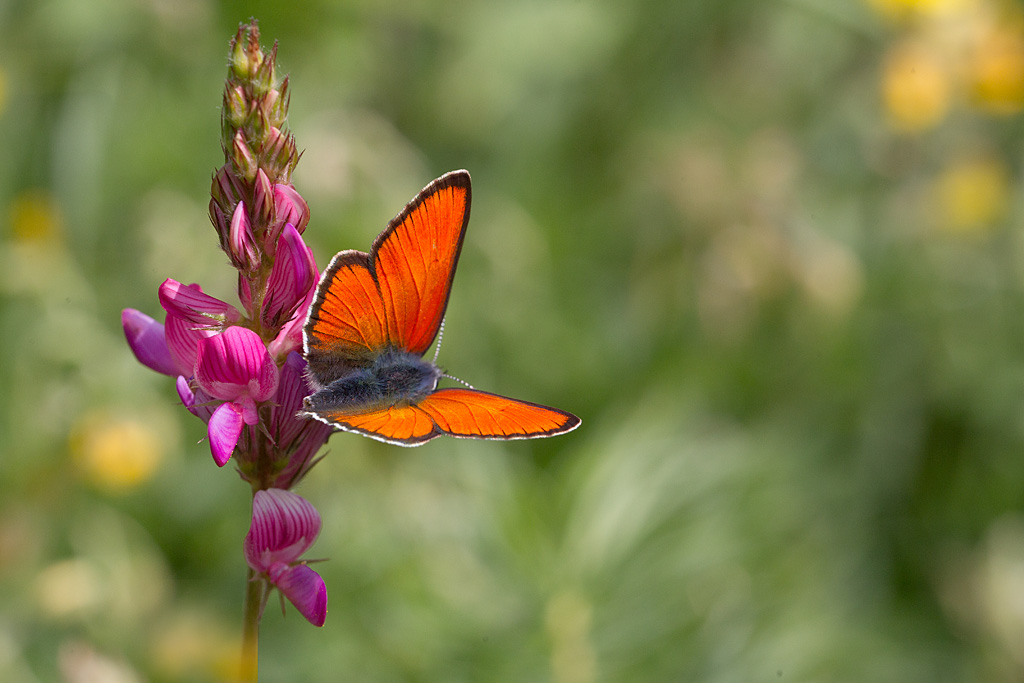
[(248, 670)]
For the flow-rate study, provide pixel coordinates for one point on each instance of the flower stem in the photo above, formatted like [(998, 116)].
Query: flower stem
[(251, 628)]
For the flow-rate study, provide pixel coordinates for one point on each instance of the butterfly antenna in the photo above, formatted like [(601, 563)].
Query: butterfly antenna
[(460, 381), (440, 336)]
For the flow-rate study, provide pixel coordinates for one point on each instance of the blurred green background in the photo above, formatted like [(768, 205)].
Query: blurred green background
[(772, 253)]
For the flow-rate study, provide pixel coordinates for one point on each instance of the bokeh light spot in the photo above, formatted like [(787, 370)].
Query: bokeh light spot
[(116, 454), (34, 216), (972, 195), (915, 88)]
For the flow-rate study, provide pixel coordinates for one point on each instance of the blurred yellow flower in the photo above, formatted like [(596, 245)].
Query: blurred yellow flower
[(903, 9), (116, 453), (972, 195), (915, 87), (997, 68), (192, 642), (34, 216)]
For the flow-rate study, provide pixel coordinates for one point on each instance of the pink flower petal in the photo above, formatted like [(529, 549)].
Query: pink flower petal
[(284, 525), (183, 342), (189, 302), (304, 588), (290, 337), (293, 276), (146, 339), (224, 429), (308, 441), (235, 364), (299, 438), (245, 292), (293, 387), (197, 402)]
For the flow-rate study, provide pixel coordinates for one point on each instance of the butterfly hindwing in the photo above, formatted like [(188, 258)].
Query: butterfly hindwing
[(477, 414), (414, 260), (401, 425), (465, 413)]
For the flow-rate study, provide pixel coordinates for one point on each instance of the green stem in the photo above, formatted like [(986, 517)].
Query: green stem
[(251, 629)]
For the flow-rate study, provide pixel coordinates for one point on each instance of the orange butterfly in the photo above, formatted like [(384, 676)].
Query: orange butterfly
[(375, 315)]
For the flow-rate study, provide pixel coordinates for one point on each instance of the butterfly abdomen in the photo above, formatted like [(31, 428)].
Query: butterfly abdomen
[(396, 377)]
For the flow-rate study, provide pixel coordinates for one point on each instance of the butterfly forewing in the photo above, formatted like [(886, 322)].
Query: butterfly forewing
[(414, 260), (346, 326)]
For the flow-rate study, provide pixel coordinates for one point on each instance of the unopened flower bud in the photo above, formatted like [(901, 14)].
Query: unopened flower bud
[(266, 73), (290, 207), (226, 189), (241, 244), (280, 154), (242, 158), (235, 111), (262, 203), (239, 55), (277, 111)]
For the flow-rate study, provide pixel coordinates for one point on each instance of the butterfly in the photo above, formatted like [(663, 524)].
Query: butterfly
[(375, 315)]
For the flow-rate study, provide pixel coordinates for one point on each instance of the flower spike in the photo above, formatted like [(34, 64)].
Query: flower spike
[(236, 367)]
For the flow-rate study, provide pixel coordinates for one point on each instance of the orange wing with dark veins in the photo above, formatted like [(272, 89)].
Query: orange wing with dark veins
[(477, 414), (346, 325), (405, 425), (465, 413), (414, 260)]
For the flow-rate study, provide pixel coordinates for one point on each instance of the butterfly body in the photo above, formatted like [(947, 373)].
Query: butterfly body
[(374, 316), (396, 378)]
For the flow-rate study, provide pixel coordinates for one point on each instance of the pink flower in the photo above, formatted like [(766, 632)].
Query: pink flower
[(296, 438), (284, 526), (146, 338), (290, 337), (189, 302), (234, 366), (197, 402), (183, 339), (293, 276)]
